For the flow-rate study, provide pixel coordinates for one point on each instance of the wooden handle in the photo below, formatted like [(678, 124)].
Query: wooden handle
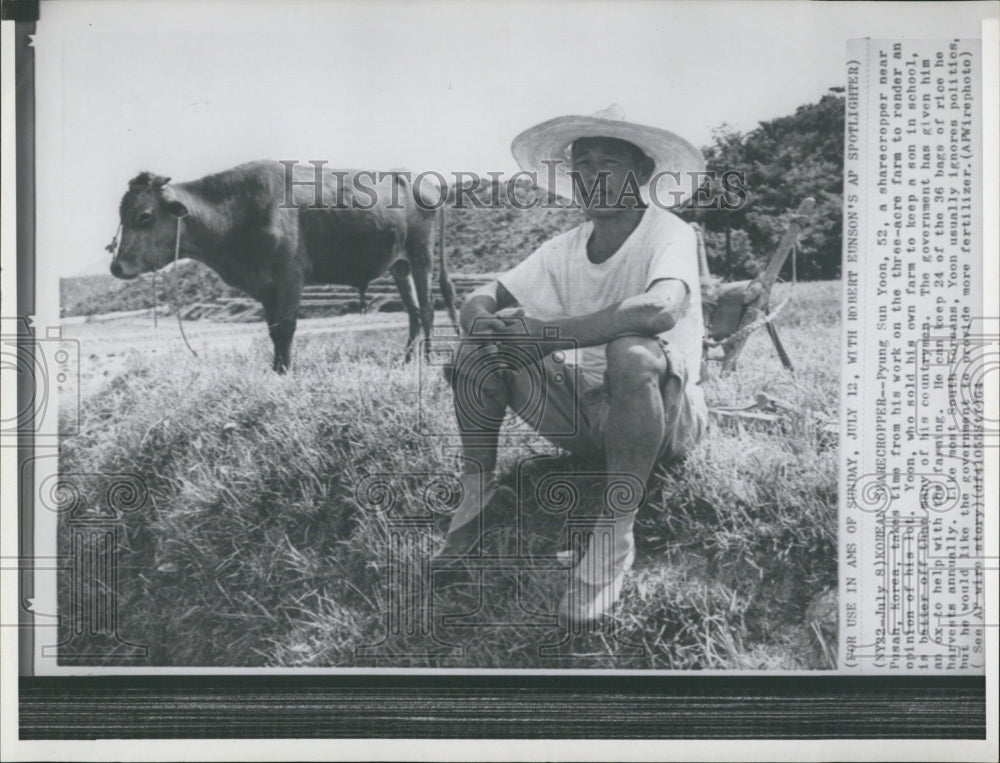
[(795, 225)]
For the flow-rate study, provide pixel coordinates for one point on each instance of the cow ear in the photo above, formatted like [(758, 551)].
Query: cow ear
[(174, 205)]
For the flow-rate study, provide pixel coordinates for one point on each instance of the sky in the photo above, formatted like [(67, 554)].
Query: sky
[(185, 88)]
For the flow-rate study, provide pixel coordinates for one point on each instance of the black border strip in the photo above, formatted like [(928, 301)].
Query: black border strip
[(503, 707), (19, 10), (24, 142)]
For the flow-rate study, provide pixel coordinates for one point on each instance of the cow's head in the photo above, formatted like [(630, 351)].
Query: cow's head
[(148, 214)]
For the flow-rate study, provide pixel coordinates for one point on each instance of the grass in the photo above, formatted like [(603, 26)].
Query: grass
[(262, 542)]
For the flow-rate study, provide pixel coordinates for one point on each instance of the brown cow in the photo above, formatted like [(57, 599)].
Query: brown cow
[(269, 237)]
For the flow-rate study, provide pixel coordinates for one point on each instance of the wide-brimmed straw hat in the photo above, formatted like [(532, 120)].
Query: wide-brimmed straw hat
[(551, 140)]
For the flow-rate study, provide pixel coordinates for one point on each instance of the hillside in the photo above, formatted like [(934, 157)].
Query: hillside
[(93, 295), (497, 237), (77, 294)]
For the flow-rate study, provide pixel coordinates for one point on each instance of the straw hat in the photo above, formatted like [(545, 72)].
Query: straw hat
[(552, 140)]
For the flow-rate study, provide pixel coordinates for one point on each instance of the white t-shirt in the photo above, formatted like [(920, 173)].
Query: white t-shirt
[(558, 281)]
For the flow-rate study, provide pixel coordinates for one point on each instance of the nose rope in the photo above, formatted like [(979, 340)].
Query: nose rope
[(113, 246), (173, 291)]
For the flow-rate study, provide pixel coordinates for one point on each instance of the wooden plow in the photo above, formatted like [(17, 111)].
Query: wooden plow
[(733, 311)]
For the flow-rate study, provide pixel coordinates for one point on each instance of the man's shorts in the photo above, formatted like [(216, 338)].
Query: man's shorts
[(574, 414)]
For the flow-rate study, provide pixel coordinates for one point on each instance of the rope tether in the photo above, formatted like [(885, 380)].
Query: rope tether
[(155, 302), (173, 291)]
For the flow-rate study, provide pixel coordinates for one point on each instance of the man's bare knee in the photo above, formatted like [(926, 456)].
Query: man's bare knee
[(635, 361), (476, 378)]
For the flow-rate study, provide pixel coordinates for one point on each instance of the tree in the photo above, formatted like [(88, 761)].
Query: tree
[(783, 161)]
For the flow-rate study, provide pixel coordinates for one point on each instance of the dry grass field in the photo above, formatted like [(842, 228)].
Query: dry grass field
[(256, 546)]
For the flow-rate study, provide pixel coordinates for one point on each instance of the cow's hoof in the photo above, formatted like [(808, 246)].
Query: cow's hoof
[(449, 374)]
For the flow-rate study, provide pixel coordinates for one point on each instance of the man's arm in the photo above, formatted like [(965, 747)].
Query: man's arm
[(656, 310), (483, 304)]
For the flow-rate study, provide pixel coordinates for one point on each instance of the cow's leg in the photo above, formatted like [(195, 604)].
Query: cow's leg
[(444, 280), (281, 329), (448, 296), (404, 284), (420, 261), (281, 310)]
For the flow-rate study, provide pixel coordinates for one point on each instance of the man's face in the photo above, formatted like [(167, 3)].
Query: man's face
[(617, 160)]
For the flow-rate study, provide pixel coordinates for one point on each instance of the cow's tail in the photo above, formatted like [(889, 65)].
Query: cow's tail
[(444, 280)]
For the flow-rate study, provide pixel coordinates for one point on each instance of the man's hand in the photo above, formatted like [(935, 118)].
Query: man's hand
[(507, 322), (484, 303), (489, 332), (520, 323), (491, 320), (510, 322)]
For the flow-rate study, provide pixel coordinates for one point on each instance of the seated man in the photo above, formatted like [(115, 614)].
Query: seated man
[(623, 289)]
